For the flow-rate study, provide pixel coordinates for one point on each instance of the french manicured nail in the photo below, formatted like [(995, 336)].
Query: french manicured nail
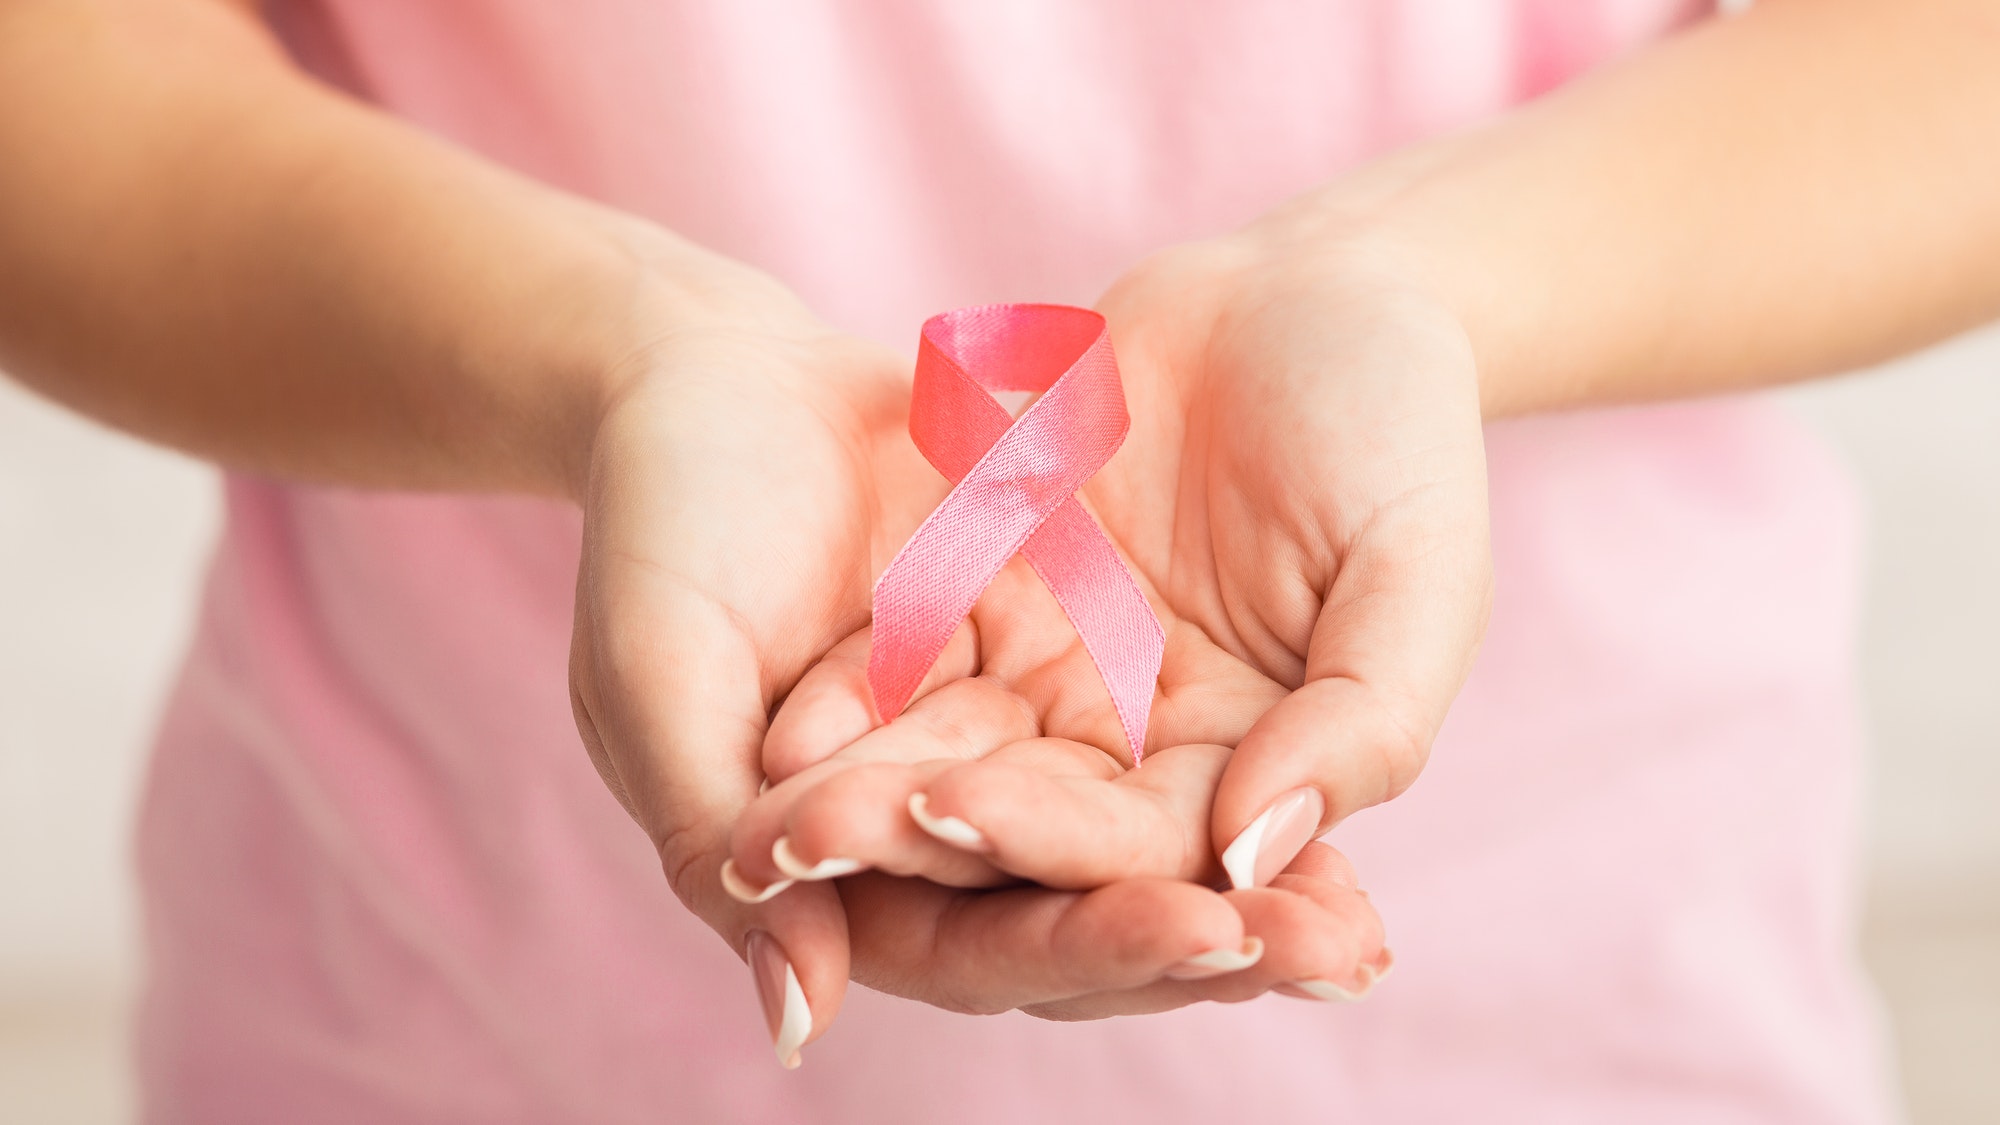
[(1329, 991), (788, 861), (1263, 849), (742, 890), (1216, 962), (785, 1010), (1384, 961), (950, 829), (1370, 974)]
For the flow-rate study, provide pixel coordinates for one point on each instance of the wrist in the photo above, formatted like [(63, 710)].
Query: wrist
[(1378, 226), (647, 288)]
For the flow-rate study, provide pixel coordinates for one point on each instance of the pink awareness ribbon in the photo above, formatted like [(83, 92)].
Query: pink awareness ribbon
[(1013, 491)]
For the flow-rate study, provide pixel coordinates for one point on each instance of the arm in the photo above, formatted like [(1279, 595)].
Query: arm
[(1803, 188), (207, 248), (201, 245), (1807, 187)]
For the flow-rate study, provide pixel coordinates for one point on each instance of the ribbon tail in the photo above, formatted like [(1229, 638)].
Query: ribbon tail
[(1111, 615)]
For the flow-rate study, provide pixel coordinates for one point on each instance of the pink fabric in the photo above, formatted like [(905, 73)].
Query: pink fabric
[(383, 884), (1012, 488)]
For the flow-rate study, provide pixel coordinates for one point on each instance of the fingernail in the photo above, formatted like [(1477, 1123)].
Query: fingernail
[(1384, 961), (743, 891), (1262, 850), (1216, 962), (1369, 974), (950, 829), (1329, 991), (788, 861), (778, 990)]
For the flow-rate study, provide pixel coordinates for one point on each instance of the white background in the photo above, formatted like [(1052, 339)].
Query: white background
[(102, 542)]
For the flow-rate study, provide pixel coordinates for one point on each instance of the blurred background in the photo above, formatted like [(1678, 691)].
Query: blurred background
[(103, 540)]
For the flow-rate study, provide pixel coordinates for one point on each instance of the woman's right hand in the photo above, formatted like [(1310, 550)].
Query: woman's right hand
[(732, 509)]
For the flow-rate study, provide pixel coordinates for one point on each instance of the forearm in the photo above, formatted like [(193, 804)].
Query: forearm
[(1802, 189), (205, 247)]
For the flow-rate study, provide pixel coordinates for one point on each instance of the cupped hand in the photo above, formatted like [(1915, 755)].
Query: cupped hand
[(750, 474), (1302, 496), (748, 471), (1306, 490)]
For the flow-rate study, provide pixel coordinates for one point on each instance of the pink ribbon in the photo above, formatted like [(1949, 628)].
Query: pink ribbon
[(1013, 490)]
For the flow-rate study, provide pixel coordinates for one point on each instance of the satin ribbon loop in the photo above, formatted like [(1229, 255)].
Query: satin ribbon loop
[(1013, 491)]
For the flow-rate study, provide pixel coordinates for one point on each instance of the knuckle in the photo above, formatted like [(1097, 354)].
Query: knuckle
[(1064, 1011), (817, 828), (1401, 743), (624, 652), (828, 811), (1403, 755), (923, 983), (953, 1001), (684, 861)]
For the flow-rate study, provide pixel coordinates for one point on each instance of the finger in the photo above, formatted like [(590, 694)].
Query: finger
[(1320, 940), (1045, 811), (996, 950), (1326, 867), (1390, 648), (864, 816), (668, 699), (827, 709), (832, 705), (963, 719), (1324, 876)]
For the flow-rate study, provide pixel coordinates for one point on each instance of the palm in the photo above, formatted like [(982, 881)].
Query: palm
[(735, 516), (1297, 457), (1301, 496), (743, 494)]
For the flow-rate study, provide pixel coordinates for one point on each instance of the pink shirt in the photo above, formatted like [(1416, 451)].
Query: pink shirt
[(383, 883)]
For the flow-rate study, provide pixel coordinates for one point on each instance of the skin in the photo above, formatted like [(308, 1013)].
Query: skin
[(432, 321), (1314, 546), (737, 509), (1323, 581), (1302, 492)]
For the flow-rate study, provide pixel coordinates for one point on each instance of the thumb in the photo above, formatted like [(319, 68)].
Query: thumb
[(669, 700), (1391, 646)]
